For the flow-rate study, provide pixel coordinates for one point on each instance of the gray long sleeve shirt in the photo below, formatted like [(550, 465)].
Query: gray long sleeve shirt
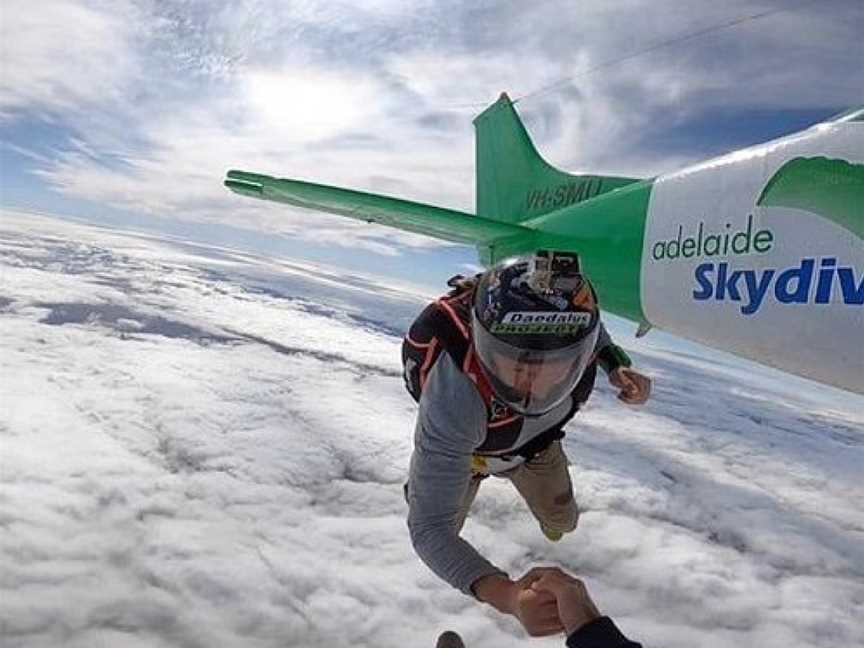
[(451, 425)]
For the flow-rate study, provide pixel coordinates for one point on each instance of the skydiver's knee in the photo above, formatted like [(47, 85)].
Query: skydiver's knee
[(564, 515)]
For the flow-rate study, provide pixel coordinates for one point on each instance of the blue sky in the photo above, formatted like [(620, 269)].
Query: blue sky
[(129, 112)]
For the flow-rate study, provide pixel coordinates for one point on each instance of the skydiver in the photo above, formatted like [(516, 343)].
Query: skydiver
[(522, 343)]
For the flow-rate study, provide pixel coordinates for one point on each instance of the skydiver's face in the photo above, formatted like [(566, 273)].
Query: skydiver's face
[(532, 381), (537, 380)]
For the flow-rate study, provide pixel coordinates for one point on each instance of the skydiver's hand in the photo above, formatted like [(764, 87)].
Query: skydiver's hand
[(575, 607), (635, 387), (537, 610)]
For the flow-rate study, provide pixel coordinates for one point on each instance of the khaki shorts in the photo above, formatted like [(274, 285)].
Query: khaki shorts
[(544, 483)]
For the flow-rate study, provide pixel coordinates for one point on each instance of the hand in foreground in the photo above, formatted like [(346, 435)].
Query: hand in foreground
[(635, 387), (537, 610), (575, 607)]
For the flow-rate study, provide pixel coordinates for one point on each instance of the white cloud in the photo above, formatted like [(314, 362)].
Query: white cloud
[(62, 55), (228, 470), (471, 268)]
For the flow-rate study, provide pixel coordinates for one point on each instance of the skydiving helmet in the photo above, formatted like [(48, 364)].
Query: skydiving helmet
[(535, 325)]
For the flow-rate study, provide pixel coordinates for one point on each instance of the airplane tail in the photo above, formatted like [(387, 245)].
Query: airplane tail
[(514, 183)]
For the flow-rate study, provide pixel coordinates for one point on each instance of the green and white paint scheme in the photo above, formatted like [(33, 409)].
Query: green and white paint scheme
[(759, 252)]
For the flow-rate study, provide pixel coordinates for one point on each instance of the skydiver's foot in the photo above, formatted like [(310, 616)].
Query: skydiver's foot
[(551, 535), (449, 639)]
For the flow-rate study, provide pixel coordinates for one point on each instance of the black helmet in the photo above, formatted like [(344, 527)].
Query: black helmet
[(535, 324)]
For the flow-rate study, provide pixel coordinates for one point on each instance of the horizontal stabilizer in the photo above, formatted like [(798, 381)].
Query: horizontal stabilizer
[(445, 224)]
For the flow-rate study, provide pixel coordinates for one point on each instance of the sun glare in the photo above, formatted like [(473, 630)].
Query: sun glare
[(308, 106)]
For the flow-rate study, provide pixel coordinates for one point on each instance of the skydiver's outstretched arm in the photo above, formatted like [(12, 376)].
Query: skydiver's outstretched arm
[(451, 423)]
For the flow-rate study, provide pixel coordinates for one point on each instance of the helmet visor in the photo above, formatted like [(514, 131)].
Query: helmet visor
[(532, 382)]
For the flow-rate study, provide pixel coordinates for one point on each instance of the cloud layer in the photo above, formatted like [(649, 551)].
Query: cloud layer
[(202, 448)]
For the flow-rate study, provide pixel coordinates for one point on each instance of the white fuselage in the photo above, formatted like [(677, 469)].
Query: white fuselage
[(780, 285)]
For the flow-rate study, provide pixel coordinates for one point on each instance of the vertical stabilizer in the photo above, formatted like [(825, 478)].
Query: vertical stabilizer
[(514, 183)]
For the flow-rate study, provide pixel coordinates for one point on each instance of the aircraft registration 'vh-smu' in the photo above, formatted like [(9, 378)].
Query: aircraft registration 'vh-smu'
[(759, 252)]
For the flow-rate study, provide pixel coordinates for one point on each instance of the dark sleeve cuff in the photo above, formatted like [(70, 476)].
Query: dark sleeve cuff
[(611, 357), (600, 633)]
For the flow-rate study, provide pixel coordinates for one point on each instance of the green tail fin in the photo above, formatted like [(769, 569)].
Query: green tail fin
[(514, 183)]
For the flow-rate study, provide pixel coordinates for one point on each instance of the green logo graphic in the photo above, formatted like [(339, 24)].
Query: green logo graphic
[(833, 189)]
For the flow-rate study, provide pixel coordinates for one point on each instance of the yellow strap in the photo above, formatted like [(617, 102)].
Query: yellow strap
[(479, 465)]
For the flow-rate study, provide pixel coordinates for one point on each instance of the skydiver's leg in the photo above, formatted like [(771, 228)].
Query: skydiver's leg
[(544, 483)]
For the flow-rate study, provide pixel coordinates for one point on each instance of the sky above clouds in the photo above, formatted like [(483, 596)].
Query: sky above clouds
[(131, 111)]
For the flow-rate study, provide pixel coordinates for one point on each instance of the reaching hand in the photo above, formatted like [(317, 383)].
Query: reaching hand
[(635, 387), (575, 607), (537, 610)]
